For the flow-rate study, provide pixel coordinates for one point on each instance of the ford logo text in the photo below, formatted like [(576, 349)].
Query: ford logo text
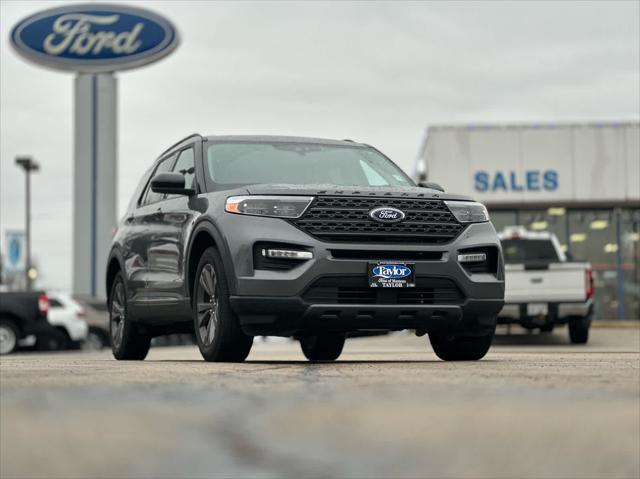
[(391, 271), (386, 214), (94, 38)]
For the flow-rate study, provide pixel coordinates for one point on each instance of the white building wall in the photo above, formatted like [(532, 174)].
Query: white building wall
[(536, 164)]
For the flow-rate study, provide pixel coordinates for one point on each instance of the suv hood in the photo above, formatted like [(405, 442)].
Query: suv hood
[(336, 190)]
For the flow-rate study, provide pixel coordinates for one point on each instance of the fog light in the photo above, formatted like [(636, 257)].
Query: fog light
[(287, 254), (472, 258)]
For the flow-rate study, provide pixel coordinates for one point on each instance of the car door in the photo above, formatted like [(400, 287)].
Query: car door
[(145, 230), (166, 253), (130, 246)]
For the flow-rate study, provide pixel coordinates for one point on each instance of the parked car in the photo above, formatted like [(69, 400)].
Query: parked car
[(23, 314), (233, 237), (543, 289), (67, 316)]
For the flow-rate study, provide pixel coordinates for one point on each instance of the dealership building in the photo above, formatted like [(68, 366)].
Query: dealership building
[(579, 181)]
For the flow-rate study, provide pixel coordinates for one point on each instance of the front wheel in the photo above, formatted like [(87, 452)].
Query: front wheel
[(127, 342), (55, 340), (217, 328), (96, 340), (460, 348), (323, 347)]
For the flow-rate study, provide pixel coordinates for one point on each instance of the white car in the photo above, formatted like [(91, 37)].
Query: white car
[(67, 316)]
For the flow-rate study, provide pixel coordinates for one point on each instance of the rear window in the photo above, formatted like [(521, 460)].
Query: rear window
[(528, 251)]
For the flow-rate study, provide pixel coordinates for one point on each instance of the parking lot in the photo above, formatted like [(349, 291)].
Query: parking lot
[(535, 407)]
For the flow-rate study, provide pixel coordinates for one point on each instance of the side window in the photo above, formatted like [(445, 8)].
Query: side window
[(186, 168), (163, 167), (54, 303)]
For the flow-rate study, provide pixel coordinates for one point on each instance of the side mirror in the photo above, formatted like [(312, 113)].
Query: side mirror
[(171, 184), (431, 185)]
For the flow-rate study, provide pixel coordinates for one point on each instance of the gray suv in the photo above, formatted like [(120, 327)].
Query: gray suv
[(236, 236)]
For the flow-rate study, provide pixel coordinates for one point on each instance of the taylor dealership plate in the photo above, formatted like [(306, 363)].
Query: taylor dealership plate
[(390, 274)]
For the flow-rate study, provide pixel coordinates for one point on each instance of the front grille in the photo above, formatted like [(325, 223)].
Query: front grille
[(336, 218), (355, 290)]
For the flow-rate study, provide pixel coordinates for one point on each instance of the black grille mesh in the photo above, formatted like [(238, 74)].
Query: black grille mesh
[(336, 218), (355, 290)]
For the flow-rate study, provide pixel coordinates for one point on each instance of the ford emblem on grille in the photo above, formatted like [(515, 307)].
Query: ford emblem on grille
[(386, 214)]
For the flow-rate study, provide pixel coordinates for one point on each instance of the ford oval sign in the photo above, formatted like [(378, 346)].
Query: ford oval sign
[(94, 38), (386, 214)]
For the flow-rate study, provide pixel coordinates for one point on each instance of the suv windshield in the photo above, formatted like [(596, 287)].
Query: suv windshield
[(528, 250), (301, 164)]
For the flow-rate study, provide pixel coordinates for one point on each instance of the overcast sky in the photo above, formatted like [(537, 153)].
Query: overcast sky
[(374, 72)]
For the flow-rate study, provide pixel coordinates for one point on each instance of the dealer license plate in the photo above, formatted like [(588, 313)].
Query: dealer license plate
[(391, 274)]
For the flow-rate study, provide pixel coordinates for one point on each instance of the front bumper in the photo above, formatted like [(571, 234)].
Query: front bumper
[(271, 302), (261, 315)]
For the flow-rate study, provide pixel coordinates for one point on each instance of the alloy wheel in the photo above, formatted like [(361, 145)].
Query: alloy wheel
[(207, 304), (117, 314)]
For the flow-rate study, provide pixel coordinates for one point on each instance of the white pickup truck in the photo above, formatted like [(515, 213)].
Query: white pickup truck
[(542, 288)]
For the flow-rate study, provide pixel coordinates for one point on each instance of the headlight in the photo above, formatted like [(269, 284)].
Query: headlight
[(468, 211), (277, 206)]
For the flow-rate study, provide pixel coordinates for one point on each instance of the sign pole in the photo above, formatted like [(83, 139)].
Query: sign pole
[(27, 220), (95, 179), (29, 165)]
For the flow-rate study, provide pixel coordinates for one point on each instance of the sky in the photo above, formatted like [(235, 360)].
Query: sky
[(378, 72)]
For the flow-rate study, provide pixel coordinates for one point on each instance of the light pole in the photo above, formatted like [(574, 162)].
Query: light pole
[(28, 164)]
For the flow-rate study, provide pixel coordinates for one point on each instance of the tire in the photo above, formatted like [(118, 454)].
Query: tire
[(579, 330), (460, 348), (218, 333), (8, 337), (324, 347), (56, 340), (96, 340), (127, 342)]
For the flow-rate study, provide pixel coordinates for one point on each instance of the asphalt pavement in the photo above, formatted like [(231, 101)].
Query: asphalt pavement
[(534, 407)]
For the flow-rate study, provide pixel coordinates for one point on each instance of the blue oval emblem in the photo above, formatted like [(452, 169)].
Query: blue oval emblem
[(391, 271), (94, 38), (386, 214)]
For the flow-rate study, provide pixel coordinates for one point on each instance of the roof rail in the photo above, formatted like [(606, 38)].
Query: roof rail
[(198, 135)]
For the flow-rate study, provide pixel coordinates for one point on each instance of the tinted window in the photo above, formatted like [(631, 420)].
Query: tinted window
[(301, 163), (185, 167), (527, 250), (54, 303), (163, 167)]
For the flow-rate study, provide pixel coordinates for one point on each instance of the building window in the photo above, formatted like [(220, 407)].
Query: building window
[(630, 261), (609, 239), (592, 238), (502, 219)]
